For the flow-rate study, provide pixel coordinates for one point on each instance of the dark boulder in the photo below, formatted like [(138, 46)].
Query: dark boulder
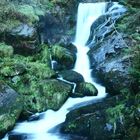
[(17, 136), (111, 119), (71, 76), (24, 39), (113, 66), (10, 108), (71, 47)]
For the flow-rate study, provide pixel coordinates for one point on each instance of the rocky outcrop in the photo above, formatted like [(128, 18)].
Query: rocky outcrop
[(58, 25), (10, 108), (24, 39), (112, 119), (112, 40), (114, 65)]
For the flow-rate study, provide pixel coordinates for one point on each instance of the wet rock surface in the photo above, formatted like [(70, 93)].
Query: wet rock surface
[(10, 108), (26, 39), (113, 66), (109, 119)]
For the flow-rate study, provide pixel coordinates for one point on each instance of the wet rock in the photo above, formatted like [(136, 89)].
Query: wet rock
[(17, 136), (110, 119), (26, 39), (85, 89), (104, 25), (63, 56), (71, 76), (113, 66), (71, 47), (10, 108), (35, 117)]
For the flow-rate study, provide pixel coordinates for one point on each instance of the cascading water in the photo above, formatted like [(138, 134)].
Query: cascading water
[(87, 14), (45, 128)]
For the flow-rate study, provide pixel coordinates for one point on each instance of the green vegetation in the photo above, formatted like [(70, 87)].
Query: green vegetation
[(6, 50), (130, 25), (24, 74), (14, 13), (115, 112)]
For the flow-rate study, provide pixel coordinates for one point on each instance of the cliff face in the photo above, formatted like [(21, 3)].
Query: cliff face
[(113, 51)]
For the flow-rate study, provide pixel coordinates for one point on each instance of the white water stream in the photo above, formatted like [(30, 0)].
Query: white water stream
[(40, 130)]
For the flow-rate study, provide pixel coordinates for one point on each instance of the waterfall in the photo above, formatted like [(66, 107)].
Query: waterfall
[(87, 14), (46, 128)]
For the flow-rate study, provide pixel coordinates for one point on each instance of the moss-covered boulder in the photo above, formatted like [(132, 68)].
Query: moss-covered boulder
[(85, 89), (47, 94), (71, 76), (56, 92), (112, 119), (63, 56), (6, 50), (10, 108), (24, 39)]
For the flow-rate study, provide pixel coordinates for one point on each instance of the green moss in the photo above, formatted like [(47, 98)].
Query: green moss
[(29, 12), (114, 113), (70, 127), (56, 93), (45, 55), (63, 56), (40, 70), (6, 50)]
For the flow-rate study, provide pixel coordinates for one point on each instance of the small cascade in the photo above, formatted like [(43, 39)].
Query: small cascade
[(46, 128)]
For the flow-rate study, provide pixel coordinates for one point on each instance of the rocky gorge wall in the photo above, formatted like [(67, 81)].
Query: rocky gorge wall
[(25, 66), (114, 56)]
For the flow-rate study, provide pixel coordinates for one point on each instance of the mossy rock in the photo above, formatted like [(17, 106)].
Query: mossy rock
[(111, 119), (47, 94), (56, 92), (10, 108), (85, 89), (71, 76), (63, 56), (6, 50)]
